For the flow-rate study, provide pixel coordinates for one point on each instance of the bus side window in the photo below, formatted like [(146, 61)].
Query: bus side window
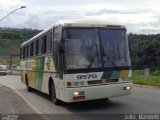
[(44, 44), (40, 46), (23, 52), (51, 44), (31, 49), (57, 55), (20, 53), (37, 46), (27, 51), (34, 48), (49, 41)]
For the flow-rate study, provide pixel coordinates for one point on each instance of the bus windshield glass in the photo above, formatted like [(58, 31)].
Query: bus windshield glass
[(114, 47), (82, 49), (87, 48)]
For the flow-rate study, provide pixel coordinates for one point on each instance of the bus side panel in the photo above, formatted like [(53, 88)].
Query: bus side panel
[(48, 73), (66, 78), (27, 72), (22, 72), (31, 74), (39, 73)]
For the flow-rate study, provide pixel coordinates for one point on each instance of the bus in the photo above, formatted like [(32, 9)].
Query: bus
[(77, 60)]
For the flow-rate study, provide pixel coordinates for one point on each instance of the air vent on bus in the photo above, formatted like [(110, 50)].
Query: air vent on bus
[(111, 80), (94, 82)]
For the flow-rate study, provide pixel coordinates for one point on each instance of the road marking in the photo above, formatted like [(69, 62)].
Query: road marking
[(32, 106), (145, 86)]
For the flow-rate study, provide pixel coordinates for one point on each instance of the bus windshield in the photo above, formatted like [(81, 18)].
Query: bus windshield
[(82, 49), (95, 48), (114, 47)]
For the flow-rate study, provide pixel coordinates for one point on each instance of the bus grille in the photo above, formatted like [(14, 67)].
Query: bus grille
[(93, 82)]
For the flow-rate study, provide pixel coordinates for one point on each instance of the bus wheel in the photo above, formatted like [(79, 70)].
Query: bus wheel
[(28, 88), (53, 94)]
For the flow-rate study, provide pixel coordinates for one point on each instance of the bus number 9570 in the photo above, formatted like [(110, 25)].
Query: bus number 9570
[(90, 76)]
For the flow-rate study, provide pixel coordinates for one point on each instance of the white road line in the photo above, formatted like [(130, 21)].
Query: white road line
[(32, 106)]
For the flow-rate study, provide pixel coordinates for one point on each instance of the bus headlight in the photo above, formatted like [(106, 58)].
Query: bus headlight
[(78, 93), (127, 88)]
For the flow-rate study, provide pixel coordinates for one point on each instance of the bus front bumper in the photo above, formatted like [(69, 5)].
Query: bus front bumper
[(97, 92)]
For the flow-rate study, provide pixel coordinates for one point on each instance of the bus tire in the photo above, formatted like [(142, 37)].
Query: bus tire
[(53, 94), (29, 89)]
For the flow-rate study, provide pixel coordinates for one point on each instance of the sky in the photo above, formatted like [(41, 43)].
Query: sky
[(139, 16)]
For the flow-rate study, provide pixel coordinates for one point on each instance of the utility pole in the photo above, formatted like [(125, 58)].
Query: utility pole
[(10, 56), (12, 12)]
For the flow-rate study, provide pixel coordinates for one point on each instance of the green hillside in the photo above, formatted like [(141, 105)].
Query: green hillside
[(145, 51), (10, 41)]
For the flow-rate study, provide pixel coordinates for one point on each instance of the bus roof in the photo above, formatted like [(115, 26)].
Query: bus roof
[(86, 23), (76, 23), (36, 36)]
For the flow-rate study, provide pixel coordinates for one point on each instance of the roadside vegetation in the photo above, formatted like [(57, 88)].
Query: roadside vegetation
[(152, 80), (10, 41)]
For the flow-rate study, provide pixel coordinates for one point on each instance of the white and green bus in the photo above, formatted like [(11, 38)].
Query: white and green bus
[(78, 60)]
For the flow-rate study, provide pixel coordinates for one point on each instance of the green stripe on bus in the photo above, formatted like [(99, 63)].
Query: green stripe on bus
[(39, 74), (115, 75), (111, 75), (107, 75)]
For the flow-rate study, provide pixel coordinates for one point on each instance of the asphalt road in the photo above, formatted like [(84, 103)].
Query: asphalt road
[(142, 100), (10, 102)]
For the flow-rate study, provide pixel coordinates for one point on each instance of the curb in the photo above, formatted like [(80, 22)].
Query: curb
[(34, 109), (145, 86)]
